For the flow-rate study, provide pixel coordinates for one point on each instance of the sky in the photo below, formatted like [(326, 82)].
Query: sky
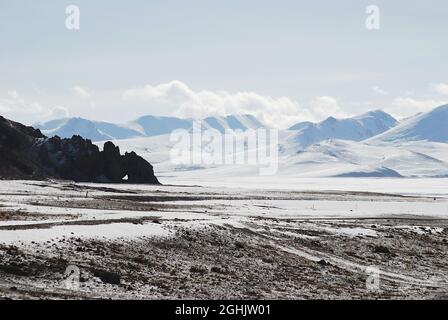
[(283, 61)]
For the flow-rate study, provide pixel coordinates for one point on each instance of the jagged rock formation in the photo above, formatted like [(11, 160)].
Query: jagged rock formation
[(25, 153), (15, 161)]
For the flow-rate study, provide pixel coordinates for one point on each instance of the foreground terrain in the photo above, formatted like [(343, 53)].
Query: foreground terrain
[(62, 240)]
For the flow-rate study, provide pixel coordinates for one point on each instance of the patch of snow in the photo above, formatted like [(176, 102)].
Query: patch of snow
[(105, 231)]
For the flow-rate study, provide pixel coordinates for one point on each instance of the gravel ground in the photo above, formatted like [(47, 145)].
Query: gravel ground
[(220, 256)]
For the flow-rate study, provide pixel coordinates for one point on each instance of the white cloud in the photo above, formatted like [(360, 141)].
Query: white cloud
[(379, 91), (404, 107), (441, 88), (14, 106), (58, 112), (176, 98), (328, 106), (82, 92)]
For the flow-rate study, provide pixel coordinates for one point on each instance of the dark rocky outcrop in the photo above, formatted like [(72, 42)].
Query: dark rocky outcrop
[(25, 153), (107, 276), (15, 162)]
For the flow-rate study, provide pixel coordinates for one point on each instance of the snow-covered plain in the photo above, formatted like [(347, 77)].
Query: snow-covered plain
[(40, 211), (171, 232)]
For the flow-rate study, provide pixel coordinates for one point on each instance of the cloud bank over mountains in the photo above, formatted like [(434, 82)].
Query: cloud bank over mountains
[(175, 98), (180, 100), (15, 106)]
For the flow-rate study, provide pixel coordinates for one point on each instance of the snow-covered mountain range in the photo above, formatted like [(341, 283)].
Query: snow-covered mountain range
[(355, 129), (146, 126), (370, 145)]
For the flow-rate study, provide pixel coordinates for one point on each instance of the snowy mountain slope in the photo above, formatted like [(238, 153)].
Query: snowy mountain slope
[(330, 158), (348, 158), (154, 126), (431, 126), (232, 122), (302, 125), (356, 129), (332, 148)]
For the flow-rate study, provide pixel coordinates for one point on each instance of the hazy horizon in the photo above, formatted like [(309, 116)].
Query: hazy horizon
[(227, 115)]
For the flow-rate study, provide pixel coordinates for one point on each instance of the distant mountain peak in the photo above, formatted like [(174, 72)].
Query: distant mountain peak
[(330, 120), (377, 111), (443, 108), (431, 126), (356, 128), (93, 130)]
